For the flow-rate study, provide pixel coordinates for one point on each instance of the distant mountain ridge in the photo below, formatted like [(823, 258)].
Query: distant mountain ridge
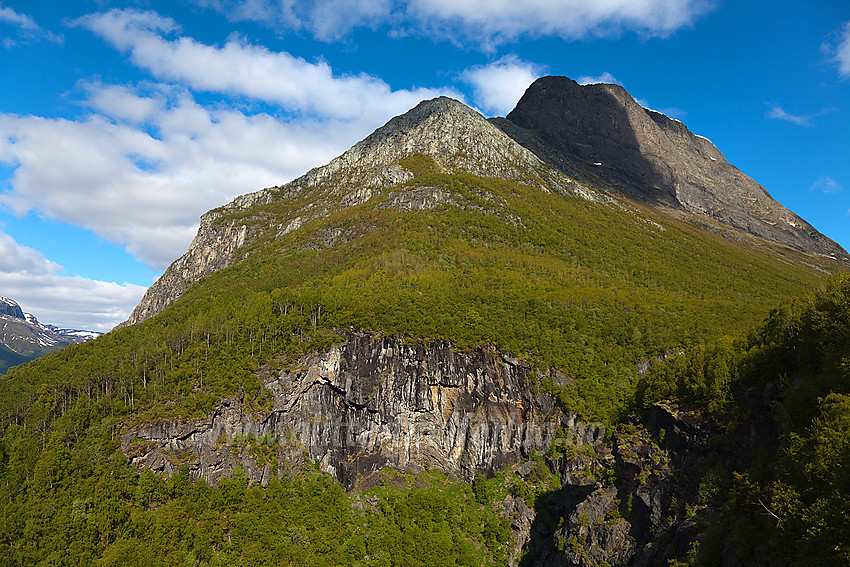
[(24, 338)]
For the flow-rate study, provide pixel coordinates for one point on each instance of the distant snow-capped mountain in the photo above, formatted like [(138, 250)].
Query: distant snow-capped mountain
[(23, 337)]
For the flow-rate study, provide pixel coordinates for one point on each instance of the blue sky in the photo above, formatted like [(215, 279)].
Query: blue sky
[(121, 122)]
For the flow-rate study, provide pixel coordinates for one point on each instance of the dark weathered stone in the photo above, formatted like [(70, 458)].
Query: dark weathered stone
[(600, 135)]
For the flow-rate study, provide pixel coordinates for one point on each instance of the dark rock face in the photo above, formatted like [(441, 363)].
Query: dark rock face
[(367, 403), (600, 135), (621, 499), (10, 308)]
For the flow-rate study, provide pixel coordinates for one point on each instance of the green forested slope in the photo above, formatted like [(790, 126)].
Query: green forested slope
[(588, 289), (9, 358), (786, 388)]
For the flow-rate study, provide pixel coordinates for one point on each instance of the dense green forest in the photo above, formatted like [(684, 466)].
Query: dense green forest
[(589, 289), (788, 496)]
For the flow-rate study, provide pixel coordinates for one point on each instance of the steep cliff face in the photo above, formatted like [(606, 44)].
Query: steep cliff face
[(367, 403), (372, 401), (215, 247), (599, 134)]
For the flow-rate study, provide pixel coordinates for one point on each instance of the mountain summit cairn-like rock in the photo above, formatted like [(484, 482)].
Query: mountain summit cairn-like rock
[(598, 133)]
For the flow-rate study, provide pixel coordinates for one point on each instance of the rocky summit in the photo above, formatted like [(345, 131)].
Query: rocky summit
[(591, 141), (600, 134)]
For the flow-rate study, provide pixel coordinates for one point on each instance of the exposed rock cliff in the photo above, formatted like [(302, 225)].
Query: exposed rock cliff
[(621, 501), (367, 403), (215, 247), (599, 134), (373, 401)]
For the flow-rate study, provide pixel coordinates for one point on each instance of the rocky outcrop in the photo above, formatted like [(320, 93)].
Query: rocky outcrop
[(595, 533), (367, 403), (216, 246), (373, 401), (602, 136), (619, 499), (10, 308)]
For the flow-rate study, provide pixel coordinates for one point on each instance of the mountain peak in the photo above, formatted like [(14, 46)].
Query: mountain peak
[(454, 135), (599, 134), (11, 308), (591, 141)]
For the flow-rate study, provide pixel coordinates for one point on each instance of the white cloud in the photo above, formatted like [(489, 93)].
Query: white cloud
[(76, 302), (498, 86), (776, 112), (826, 185), (147, 160), (27, 29), (484, 21), (842, 52), (147, 191), (23, 21), (326, 19), (605, 77), (20, 259), (241, 69)]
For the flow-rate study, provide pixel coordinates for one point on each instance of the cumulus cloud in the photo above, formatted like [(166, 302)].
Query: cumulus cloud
[(145, 185), (498, 86), (241, 69), (148, 159), (484, 21), (37, 285), (826, 185), (605, 77)]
